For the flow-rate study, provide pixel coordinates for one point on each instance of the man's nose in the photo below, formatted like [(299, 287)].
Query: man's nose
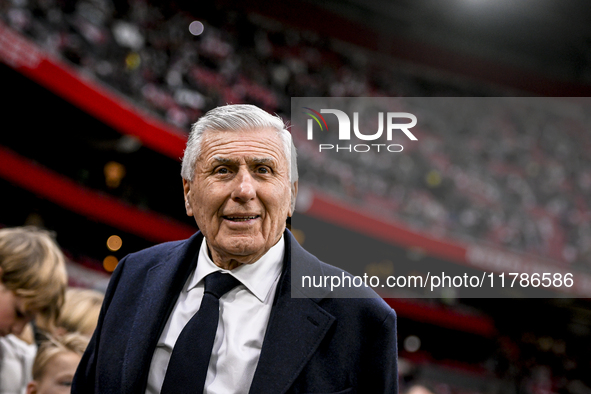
[(244, 188)]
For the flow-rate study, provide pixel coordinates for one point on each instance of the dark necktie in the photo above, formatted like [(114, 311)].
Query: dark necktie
[(189, 361)]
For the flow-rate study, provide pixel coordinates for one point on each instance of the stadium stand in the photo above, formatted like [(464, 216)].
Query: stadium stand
[(513, 204)]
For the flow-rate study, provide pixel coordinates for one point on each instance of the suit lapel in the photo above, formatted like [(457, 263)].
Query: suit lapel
[(160, 291), (295, 330)]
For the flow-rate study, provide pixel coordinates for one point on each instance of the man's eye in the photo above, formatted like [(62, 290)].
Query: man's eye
[(263, 170), (222, 171)]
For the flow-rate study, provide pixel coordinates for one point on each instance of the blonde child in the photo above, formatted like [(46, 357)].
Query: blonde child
[(80, 311), (56, 363), (32, 282)]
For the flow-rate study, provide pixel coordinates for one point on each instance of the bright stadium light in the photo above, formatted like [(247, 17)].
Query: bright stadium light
[(412, 343), (196, 28)]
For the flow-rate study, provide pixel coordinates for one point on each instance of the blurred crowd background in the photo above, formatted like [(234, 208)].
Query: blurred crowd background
[(497, 172)]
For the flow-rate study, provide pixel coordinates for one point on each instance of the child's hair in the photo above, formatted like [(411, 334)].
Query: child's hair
[(81, 310), (53, 346), (34, 268)]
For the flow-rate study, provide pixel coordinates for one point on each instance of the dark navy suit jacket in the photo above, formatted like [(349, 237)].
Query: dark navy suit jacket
[(312, 345)]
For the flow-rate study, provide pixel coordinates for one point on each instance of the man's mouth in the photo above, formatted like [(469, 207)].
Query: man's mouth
[(240, 218)]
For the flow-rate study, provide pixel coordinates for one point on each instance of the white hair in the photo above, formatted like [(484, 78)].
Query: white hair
[(233, 118)]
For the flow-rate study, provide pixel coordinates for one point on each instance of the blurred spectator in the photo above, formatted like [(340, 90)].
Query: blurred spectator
[(16, 361), (32, 281), (419, 389), (56, 363), (80, 311)]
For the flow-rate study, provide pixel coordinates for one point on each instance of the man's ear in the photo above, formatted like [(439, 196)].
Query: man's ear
[(187, 192), (294, 195)]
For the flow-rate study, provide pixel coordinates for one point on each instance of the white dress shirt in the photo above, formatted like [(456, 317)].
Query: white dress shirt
[(244, 314)]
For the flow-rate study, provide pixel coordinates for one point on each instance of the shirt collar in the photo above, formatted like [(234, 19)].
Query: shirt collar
[(257, 277)]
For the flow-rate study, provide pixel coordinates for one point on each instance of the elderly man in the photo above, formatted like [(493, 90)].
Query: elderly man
[(215, 313)]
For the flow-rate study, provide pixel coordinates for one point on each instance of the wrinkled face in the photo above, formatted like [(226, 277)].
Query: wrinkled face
[(13, 313), (240, 194), (58, 375)]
